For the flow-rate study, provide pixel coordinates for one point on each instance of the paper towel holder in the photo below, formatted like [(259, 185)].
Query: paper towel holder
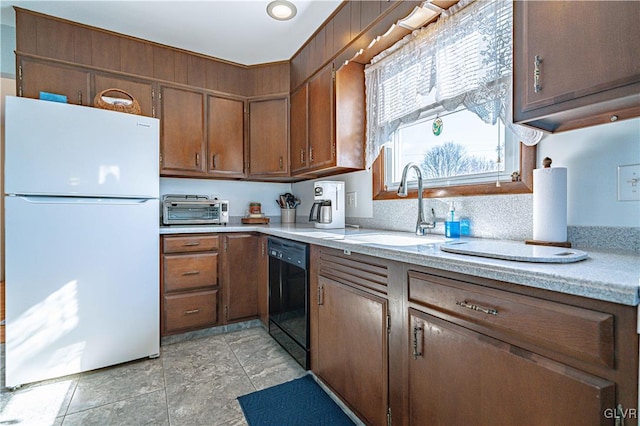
[(566, 244)]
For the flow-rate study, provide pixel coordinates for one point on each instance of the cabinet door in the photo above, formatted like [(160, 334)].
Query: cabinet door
[(36, 77), (584, 49), (182, 132), (239, 286), (322, 119), (225, 137), (458, 376), (142, 91), (268, 137), (299, 131), (263, 281), (352, 348)]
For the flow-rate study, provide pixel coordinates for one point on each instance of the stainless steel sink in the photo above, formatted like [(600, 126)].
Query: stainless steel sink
[(393, 240)]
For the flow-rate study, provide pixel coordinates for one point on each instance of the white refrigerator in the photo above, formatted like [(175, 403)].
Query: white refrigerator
[(81, 239)]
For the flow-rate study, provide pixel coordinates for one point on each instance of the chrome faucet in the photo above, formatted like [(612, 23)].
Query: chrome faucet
[(421, 225)]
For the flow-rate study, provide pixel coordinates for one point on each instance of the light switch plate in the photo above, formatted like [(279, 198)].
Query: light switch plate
[(352, 199), (629, 182)]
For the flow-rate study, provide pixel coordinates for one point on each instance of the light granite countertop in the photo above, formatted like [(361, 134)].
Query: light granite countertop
[(608, 275)]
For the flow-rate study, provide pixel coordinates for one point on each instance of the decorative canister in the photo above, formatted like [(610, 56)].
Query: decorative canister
[(255, 208)]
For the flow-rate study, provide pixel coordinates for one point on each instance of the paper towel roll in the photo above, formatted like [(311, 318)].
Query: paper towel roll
[(550, 204)]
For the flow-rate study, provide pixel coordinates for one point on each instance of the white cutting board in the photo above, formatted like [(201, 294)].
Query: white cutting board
[(514, 250)]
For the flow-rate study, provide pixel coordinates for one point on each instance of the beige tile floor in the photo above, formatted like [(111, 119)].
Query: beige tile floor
[(194, 382)]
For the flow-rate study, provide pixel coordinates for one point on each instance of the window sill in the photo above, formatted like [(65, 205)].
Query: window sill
[(523, 186)]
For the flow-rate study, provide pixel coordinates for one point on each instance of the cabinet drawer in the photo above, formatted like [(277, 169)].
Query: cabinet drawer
[(191, 310), (188, 271), (580, 333), (188, 243)]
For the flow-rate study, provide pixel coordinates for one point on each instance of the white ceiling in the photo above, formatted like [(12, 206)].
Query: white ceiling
[(236, 30)]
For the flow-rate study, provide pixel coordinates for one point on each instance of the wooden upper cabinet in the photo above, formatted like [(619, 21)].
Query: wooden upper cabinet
[(335, 122), (142, 91), (182, 132), (321, 119), (36, 76), (225, 137), (573, 63), (298, 132), (269, 137)]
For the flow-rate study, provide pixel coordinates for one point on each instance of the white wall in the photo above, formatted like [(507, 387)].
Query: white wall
[(239, 194), (592, 156)]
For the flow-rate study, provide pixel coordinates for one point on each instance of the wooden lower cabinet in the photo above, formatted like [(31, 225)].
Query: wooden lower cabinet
[(349, 335), (239, 277), (460, 377), (482, 352), (352, 348), (189, 282)]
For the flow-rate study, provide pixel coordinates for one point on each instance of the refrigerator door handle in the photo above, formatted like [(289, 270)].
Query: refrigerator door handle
[(81, 200)]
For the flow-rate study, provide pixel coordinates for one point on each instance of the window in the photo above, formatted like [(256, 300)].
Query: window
[(441, 96), (454, 149)]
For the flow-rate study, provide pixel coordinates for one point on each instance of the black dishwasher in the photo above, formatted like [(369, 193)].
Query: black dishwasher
[(289, 297)]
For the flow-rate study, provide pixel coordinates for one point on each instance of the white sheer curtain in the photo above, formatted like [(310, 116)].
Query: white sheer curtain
[(464, 59)]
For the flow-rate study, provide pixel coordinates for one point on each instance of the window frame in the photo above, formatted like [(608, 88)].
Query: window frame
[(524, 185)]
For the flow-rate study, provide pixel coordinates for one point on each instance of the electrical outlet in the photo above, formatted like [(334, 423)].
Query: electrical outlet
[(352, 199), (629, 183)]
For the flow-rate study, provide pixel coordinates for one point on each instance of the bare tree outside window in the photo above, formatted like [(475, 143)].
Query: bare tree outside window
[(452, 159)]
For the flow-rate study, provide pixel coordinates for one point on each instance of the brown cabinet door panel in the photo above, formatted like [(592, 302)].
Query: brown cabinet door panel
[(240, 272), (141, 91), (584, 48), (269, 137), (182, 131), (43, 77), (352, 348), (225, 136), (321, 119), (457, 376), (299, 130)]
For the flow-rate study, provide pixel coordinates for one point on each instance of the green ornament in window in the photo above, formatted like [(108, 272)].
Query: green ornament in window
[(437, 126)]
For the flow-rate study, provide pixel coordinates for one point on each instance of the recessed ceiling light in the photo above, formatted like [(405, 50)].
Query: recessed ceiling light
[(281, 10)]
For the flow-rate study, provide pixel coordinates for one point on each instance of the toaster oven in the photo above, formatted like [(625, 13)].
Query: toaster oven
[(194, 210)]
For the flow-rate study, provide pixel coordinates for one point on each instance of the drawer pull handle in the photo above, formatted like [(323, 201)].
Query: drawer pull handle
[(191, 311), (488, 311), (191, 273), (191, 244), (416, 330)]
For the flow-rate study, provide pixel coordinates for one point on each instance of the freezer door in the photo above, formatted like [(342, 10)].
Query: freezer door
[(82, 285), (59, 149)]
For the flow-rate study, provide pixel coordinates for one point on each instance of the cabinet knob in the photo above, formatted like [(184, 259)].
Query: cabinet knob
[(281, 162), (302, 157), (197, 160), (191, 311), (311, 154), (537, 87)]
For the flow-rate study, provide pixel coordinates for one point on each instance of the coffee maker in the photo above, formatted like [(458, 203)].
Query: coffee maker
[(328, 205)]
